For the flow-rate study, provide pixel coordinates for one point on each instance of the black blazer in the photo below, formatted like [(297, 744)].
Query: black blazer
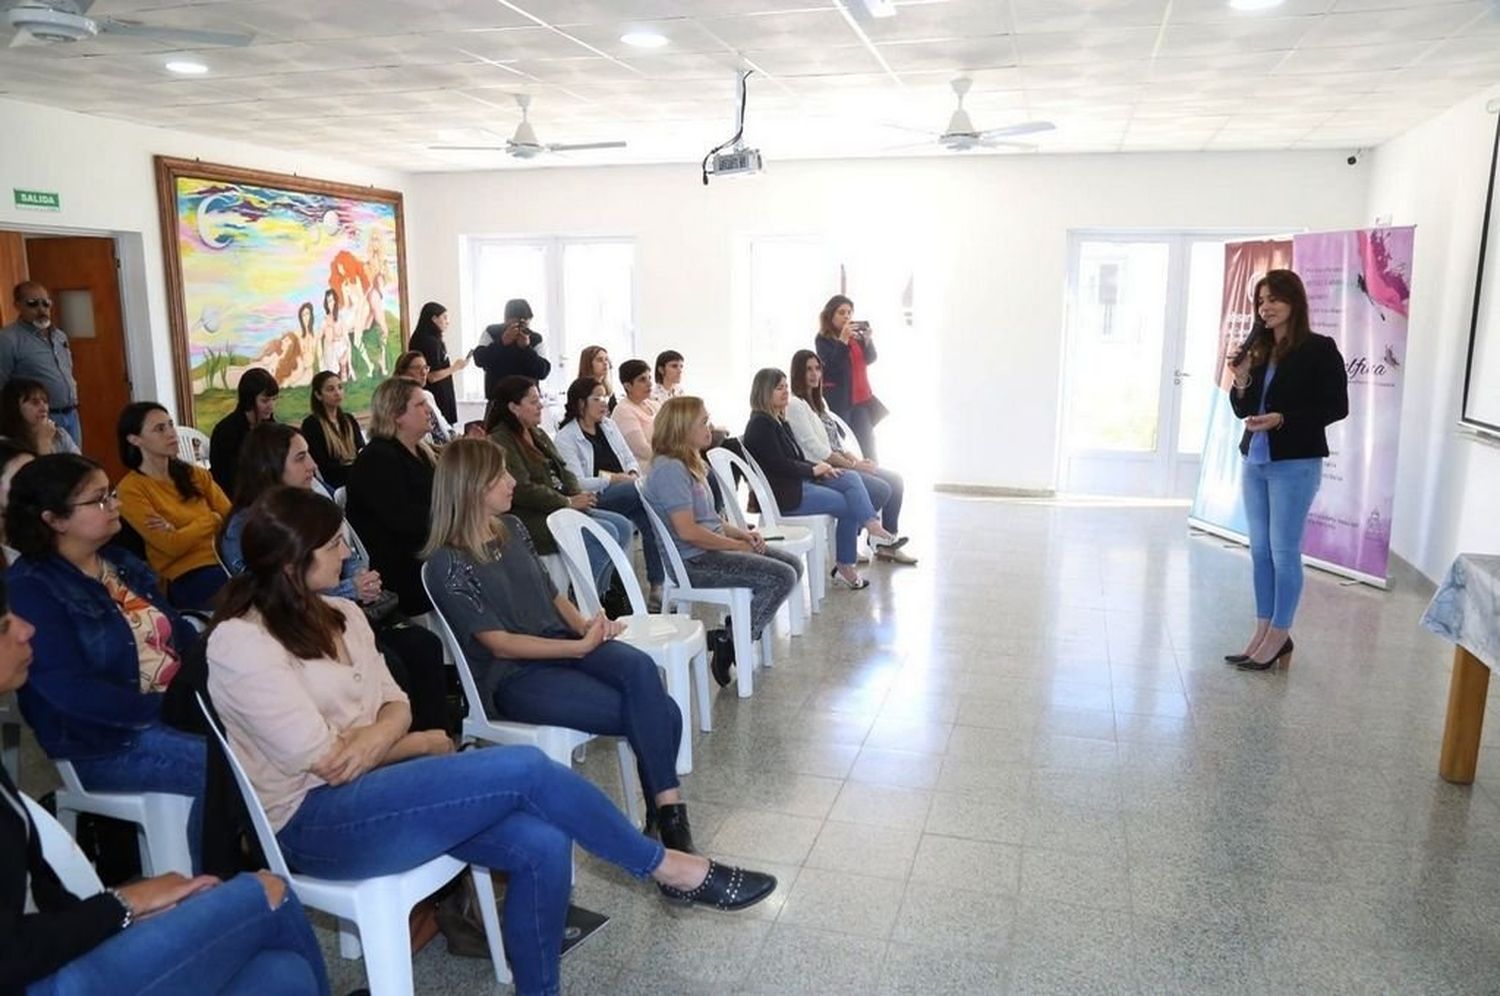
[(498, 360), (224, 445), (334, 473), (389, 506), (1310, 390), (837, 387), (34, 945), (771, 442)]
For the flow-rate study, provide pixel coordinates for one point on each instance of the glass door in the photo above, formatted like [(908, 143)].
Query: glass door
[(1142, 330)]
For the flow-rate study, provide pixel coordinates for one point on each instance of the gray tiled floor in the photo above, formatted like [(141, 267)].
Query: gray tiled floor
[(1022, 768)]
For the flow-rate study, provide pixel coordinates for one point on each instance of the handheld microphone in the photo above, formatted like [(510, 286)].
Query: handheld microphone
[(1257, 332)]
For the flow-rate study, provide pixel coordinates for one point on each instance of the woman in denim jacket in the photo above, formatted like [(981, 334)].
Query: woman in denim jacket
[(107, 644)]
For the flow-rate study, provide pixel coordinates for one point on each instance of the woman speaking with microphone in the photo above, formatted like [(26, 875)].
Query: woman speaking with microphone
[(1289, 385)]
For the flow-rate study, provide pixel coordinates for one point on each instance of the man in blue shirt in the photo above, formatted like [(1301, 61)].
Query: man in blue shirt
[(32, 347)]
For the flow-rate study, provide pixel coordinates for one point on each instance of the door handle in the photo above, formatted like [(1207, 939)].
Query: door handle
[(1178, 375)]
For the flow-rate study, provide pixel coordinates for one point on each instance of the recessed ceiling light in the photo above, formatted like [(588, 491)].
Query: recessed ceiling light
[(187, 68), (1255, 4), (644, 39)]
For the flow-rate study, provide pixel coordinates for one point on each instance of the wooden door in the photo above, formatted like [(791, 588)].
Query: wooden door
[(82, 276), (12, 272)]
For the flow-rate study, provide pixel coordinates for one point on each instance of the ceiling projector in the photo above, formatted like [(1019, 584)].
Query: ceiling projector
[(735, 162)]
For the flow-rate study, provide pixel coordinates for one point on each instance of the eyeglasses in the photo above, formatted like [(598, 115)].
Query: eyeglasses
[(37, 302), (110, 497)]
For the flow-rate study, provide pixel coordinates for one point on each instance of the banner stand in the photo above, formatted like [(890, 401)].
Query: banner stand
[(1241, 540)]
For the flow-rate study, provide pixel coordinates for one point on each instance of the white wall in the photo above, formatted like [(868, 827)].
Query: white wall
[(989, 236), (103, 170), (1435, 177)]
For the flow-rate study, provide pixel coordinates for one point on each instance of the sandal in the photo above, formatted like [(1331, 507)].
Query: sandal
[(859, 584)]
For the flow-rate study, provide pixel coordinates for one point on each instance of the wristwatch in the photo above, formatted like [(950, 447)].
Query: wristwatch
[(129, 916)]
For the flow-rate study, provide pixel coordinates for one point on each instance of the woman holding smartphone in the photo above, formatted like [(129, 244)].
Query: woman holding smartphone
[(846, 350), (1289, 385)]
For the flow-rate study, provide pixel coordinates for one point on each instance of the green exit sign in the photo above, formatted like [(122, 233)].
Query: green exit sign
[(38, 200)]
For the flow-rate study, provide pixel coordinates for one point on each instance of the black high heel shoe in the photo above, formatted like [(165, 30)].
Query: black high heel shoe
[(1283, 658), (1236, 658)]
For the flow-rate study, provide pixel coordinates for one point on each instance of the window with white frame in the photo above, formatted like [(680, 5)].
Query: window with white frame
[(790, 279), (581, 292)]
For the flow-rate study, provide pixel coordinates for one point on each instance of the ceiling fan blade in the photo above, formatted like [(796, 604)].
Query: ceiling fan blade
[(580, 146), (228, 39), (915, 131), (466, 148), (22, 38), (1000, 143), (1025, 128)]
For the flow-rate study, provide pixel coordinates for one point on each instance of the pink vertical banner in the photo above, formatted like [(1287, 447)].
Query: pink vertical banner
[(1359, 288)]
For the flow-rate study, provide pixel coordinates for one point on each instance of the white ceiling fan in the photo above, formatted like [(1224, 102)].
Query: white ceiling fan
[(961, 135), (523, 144), (56, 21)]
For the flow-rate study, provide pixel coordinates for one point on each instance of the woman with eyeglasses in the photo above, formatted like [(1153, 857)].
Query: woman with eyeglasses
[(414, 365), (597, 454), (108, 644), (176, 507)]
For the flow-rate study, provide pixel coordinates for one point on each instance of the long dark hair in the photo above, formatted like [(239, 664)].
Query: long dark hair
[(282, 532), (253, 383), (578, 395), (427, 320), (508, 391), (262, 461), (12, 423), (1284, 286), (812, 395), (338, 431), (46, 484), (131, 421), (825, 317)]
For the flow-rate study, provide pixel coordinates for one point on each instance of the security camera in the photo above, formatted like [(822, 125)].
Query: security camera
[(1353, 159)]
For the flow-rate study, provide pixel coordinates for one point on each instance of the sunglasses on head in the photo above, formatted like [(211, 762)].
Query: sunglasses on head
[(37, 302)]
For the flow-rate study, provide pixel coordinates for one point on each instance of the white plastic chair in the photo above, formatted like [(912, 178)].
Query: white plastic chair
[(772, 516), (678, 591), (676, 643), (799, 541), (62, 853), (557, 742), (162, 819), (378, 908), (192, 446)]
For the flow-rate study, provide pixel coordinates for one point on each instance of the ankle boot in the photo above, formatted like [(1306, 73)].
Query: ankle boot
[(673, 829)]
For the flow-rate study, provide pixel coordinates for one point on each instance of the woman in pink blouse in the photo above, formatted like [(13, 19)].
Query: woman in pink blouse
[(635, 415)]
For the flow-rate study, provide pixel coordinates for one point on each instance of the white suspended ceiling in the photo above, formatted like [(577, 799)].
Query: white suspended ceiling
[(378, 81)]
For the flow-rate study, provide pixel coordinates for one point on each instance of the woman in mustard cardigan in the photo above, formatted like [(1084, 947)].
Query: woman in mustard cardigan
[(176, 507)]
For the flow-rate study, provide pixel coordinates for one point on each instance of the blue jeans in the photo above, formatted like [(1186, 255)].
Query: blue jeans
[(225, 940), (615, 690), (195, 590), (845, 498), (69, 423), (1277, 497), (504, 808), (162, 760), (622, 497), (886, 493), (618, 527)]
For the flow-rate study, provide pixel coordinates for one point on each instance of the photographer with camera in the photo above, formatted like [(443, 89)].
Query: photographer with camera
[(846, 349), (511, 348)]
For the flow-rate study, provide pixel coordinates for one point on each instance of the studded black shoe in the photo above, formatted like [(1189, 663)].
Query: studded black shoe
[(726, 888)]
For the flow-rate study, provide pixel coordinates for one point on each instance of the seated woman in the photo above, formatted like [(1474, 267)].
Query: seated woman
[(255, 402), (822, 435), (537, 658), (544, 483), (276, 455), (636, 412), (414, 365), (107, 643), (176, 507), (322, 732), (594, 362), (715, 553), (333, 435), (667, 376), (26, 417), (390, 489), (247, 935), (12, 458), (598, 456), (805, 487)]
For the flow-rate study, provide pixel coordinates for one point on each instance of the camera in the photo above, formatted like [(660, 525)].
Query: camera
[(1352, 160)]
